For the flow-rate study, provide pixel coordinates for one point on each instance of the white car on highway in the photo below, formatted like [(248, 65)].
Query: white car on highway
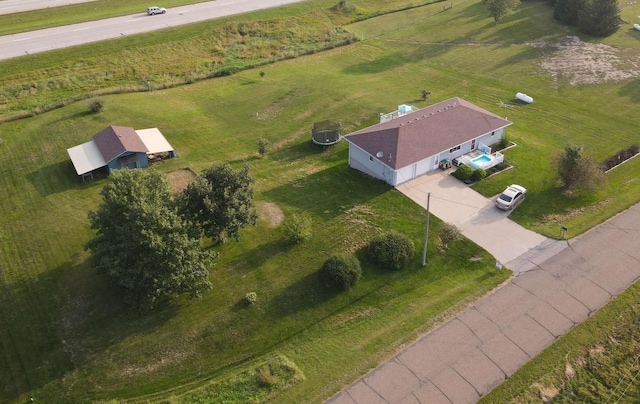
[(156, 10)]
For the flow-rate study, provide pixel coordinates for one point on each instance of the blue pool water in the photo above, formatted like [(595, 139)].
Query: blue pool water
[(481, 161)]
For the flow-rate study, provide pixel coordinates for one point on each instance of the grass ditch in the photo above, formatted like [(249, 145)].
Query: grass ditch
[(596, 362), (214, 53)]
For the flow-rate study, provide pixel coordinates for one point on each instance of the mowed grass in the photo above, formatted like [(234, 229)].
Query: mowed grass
[(62, 330)]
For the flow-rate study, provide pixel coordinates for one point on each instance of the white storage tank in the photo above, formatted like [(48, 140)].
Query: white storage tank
[(524, 98)]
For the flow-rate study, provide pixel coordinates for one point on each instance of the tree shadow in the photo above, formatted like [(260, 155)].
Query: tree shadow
[(62, 320), (307, 293), (78, 114), (258, 256)]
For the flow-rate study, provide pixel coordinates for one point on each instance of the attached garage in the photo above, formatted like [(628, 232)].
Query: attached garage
[(411, 142)]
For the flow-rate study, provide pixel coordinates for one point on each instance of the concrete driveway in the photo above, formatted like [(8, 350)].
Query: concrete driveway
[(478, 219)]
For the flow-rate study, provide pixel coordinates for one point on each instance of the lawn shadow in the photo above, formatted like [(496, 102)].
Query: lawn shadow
[(514, 28), (298, 151), (258, 256), (631, 90), (329, 192), (528, 53), (307, 293), (64, 319), (60, 177), (378, 65)]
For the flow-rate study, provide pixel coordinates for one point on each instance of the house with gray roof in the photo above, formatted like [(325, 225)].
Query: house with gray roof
[(411, 142), (118, 147)]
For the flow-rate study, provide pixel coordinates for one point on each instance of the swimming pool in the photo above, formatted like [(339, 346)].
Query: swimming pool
[(482, 161)]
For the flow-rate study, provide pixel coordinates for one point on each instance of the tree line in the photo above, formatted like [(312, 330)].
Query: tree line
[(593, 17)]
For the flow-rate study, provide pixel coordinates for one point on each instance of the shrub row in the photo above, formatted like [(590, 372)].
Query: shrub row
[(620, 157), (466, 173)]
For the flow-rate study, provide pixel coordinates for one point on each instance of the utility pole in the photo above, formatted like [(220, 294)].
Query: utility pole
[(426, 234)]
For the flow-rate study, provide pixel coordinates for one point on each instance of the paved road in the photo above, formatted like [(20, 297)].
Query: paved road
[(556, 286), (18, 6), (61, 37)]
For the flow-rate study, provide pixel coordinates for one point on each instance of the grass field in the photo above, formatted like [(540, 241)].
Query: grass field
[(108, 352), (63, 333)]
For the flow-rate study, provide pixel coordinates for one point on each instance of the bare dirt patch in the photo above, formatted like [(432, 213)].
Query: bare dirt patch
[(342, 318), (571, 213), (72, 318), (270, 212), (546, 393), (179, 179), (168, 358), (361, 230), (584, 63)]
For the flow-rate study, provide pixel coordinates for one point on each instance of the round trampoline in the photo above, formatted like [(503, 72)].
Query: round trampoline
[(325, 133)]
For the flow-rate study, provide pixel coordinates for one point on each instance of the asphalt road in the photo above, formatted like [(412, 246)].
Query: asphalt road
[(18, 6), (61, 37)]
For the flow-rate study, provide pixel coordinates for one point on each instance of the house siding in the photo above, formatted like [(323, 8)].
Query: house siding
[(407, 142), (139, 161), (363, 161)]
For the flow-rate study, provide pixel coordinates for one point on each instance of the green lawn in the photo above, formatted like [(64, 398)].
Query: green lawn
[(63, 334)]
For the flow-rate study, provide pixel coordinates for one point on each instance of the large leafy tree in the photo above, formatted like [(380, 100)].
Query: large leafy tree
[(143, 245), (568, 11), (500, 8), (220, 202), (600, 17)]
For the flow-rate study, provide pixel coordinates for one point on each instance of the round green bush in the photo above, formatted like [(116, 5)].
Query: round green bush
[(96, 106), (464, 172), (251, 298), (391, 250), (478, 174), (297, 229), (341, 271)]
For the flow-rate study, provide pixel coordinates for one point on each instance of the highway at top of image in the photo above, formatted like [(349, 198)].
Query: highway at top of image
[(18, 6), (77, 34)]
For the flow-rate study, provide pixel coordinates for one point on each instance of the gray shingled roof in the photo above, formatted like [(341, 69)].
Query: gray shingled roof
[(418, 135), (115, 140)]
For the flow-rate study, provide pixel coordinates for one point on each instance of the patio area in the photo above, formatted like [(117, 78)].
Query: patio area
[(480, 158)]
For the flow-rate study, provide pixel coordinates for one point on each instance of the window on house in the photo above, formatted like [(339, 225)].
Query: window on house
[(370, 158), (454, 149), (493, 133)]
